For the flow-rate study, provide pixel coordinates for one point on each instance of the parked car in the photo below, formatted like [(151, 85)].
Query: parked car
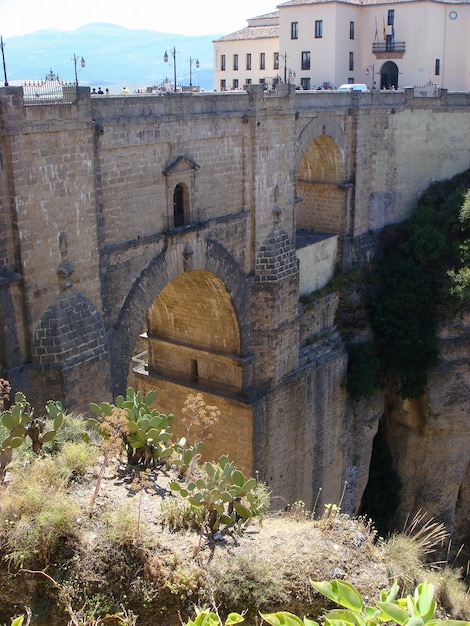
[(353, 87)]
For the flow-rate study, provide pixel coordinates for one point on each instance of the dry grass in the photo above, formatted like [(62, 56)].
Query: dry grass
[(137, 550)]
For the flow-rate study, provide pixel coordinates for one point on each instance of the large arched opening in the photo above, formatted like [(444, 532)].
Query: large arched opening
[(320, 212), (193, 345), (319, 181)]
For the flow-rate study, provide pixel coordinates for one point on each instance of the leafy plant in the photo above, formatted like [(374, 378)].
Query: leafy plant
[(147, 432), (20, 424), (284, 618), (417, 609), (221, 491), (363, 370), (208, 618), (424, 270)]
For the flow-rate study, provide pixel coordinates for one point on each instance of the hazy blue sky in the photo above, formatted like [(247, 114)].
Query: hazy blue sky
[(188, 17)]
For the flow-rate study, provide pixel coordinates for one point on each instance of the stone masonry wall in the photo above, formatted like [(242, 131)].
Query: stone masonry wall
[(99, 171)]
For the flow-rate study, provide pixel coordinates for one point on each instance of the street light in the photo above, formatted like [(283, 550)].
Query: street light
[(75, 60), (191, 61), (2, 46), (165, 58)]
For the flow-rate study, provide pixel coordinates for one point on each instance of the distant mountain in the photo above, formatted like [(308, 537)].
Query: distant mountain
[(113, 56)]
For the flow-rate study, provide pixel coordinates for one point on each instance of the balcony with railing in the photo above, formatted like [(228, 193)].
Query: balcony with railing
[(385, 48)]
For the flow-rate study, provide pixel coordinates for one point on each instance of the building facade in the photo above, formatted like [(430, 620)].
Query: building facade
[(386, 45), (249, 56)]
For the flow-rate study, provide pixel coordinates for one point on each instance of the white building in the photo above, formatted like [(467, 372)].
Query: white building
[(250, 55), (325, 43)]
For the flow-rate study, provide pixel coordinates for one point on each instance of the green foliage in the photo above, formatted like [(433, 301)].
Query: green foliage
[(424, 270), (363, 370), (20, 423), (284, 618), (208, 618), (417, 609), (147, 432), (186, 455), (228, 496)]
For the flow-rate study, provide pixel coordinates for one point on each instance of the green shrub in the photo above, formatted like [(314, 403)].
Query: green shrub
[(423, 271), (363, 370)]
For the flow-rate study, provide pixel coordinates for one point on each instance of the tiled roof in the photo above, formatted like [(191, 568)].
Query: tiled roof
[(262, 17), (252, 32)]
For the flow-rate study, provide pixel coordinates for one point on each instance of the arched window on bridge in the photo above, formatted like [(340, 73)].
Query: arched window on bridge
[(180, 177), (179, 205)]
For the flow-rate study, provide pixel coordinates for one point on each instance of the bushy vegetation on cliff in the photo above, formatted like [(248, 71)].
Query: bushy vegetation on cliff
[(126, 526), (424, 272)]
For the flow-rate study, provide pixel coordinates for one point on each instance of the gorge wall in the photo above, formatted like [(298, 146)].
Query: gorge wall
[(165, 230)]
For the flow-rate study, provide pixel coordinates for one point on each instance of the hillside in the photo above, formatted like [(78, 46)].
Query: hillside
[(113, 55), (79, 546)]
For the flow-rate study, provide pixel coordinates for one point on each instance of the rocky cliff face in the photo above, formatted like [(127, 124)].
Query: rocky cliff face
[(429, 439)]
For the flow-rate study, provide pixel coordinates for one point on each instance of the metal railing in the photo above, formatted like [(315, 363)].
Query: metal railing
[(385, 46), (51, 90), (197, 218)]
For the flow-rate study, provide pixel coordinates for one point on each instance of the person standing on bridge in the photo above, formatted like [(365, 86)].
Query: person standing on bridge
[(125, 91)]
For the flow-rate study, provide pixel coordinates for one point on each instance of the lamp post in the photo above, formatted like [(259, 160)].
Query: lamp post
[(165, 58), (2, 45), (191, 61), (75, 60)]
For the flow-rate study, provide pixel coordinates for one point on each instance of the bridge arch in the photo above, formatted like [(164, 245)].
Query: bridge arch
[(175, 260), (194, 342), (318, 180), (320, 174)]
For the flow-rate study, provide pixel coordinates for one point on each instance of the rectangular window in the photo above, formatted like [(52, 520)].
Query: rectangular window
[(248, 81), (351, 30), (294, 30), (262, 81), (351, 61), (276, 61), (223, 84), (262, 61), (248, 61), (222, 63), (305, 83), (391, 17), (318, 29), (305, 60), (235, 83), (437, 67), (235, 61)]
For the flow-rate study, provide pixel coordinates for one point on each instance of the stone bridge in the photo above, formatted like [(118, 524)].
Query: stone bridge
[(165, 242)]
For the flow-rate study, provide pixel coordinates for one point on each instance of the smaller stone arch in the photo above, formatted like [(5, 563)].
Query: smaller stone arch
[(69, 353)]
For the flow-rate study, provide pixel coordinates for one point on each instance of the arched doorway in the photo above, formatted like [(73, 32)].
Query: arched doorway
[(389, 76), (193, 345), (319, 180)]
